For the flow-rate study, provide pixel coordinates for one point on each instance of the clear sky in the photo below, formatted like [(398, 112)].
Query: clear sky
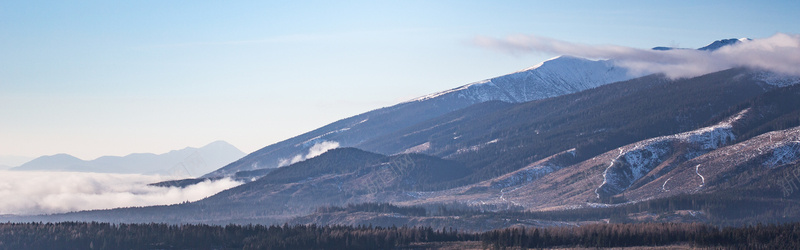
[(94, 78)]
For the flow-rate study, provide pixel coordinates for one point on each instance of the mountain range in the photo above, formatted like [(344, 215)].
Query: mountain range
[(10, 161), (568, 141), (185, 162)]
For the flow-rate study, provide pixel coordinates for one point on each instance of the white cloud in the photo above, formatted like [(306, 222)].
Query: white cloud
[(321, 147), (314, 151), (779, 53), (58, 192)]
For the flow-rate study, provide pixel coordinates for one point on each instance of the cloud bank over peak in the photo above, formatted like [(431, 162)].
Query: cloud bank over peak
[(779, 53)]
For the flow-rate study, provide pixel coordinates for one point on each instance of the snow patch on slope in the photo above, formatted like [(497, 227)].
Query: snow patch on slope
[(475, 147), (525, 176), (637, 160), (783, 152), (532, 172), (776, 79), (554, 77), (418, 148), (320, 138)]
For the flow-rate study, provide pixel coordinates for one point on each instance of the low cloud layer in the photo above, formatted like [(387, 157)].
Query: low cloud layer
[(779, 53), (320, 148), (57, 192), (314, 151)]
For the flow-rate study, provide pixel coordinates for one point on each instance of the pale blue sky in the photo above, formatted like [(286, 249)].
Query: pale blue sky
[(93, 78)]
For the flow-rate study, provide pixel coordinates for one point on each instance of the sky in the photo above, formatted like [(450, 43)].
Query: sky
[(95, 78)]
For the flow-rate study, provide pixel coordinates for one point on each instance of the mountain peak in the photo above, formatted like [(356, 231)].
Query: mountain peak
[(556, 76), (556, 61), (192, 161), (219, 144), (215, 145), (64, 161), (61, 156), (711, 47), (722, 43)]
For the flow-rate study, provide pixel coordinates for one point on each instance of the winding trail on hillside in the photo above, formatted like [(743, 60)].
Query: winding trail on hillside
[(697, 171), (621, 151), (663, 186)]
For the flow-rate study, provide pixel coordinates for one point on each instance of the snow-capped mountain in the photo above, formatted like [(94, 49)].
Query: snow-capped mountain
[(713, 46), (722, 43), (617, 144), (570, 136), (558, 76), (555, 77)]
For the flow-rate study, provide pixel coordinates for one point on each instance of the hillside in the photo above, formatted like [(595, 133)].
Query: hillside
[(494, 139), (555, 77), (611, 147)]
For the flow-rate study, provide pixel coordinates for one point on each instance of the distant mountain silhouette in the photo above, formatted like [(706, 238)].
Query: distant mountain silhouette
[(186, 162)]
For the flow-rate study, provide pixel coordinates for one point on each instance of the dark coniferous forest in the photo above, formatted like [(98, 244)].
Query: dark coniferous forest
[(78, 235)]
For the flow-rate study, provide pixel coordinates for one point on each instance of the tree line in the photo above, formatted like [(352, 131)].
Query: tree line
[(93, 235)]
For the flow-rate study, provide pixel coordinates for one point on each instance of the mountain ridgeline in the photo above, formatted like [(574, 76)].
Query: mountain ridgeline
[(627, 141), (558, 76), (555, 77), (184, 162), (567, 142)]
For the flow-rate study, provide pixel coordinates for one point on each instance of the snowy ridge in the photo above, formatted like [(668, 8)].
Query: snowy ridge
[(504, 190), (783, 152), (760, 155), (554, 77), (722, 43), (317, 139), (631, 165), (776, 79), (776, 148), (638, 159), (533, 171), (525, 176), (475, 147)]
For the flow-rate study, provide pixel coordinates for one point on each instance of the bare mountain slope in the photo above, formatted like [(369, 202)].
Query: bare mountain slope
[(495, 138), (558, 76), (661, 128), (767, 163)]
